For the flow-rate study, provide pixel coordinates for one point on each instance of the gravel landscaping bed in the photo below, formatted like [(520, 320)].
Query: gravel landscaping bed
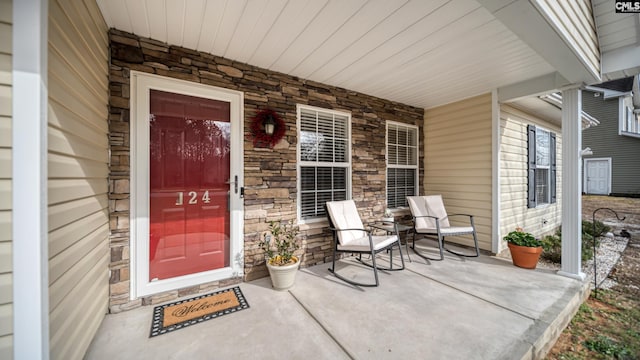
[(608, 254)]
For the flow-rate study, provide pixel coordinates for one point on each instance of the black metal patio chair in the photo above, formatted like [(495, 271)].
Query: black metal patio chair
[(350, 236), (430, 218)]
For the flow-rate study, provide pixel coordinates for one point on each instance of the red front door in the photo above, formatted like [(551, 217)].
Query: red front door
[(189, 185)]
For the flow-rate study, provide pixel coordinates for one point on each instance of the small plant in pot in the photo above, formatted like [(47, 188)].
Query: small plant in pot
[(279, 245), (388, 218), (525, 248)]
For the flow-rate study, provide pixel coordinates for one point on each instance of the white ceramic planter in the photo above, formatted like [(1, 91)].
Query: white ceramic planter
[(283, 277)]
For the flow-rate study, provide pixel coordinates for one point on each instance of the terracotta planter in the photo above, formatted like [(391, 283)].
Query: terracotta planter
[(283, 277), (524, 256)]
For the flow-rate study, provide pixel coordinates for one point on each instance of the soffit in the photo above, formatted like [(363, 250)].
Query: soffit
[(619, 38), (421, 53), (615, 30)]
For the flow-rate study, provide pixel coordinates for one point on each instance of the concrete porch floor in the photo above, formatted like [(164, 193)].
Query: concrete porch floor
[(459, 308)]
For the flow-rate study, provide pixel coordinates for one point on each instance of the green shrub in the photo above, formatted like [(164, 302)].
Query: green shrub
[(587, 246), (552, 247), (601, 228), (552, 244), (607, 346)]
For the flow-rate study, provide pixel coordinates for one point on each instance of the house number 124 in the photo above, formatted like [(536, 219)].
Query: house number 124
[(192, 197)]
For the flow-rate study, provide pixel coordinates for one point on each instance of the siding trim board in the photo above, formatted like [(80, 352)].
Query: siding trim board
[(6, 129), (495, 174), (29, 190)]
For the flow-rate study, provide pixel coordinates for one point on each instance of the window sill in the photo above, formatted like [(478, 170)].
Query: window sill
[(630, 134), (543, 206), (313, 224), (401, 211)]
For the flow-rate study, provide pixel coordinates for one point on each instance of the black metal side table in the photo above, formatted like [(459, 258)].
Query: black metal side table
[(396, 228)]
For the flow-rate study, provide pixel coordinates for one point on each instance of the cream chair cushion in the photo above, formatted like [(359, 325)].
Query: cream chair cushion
[(431, 205), (344, 215)]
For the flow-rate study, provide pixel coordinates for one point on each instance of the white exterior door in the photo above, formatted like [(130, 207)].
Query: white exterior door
[(186, 177), (597, 176)]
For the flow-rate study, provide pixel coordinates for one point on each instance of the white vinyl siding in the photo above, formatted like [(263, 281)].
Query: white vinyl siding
[(513, 175), (458, 161), (6, 267), (324, 159), (78, 147), (575, 23), (402, 163)]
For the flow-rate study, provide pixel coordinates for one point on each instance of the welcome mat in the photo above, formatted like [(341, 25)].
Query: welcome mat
[(183, 313)]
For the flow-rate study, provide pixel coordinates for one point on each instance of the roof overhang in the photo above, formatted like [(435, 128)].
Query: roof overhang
[(549, 108), (538, 86), (555, 99), (621, 62), (527, 21)]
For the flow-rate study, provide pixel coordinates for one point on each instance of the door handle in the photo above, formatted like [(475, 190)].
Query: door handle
[(235, 183)]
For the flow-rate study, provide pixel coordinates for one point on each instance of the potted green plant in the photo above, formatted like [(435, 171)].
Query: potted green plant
[(279, 245), (388, 217), (525, 248)]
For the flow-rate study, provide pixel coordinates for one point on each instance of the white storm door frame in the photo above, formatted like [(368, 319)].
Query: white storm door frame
[(141, 84)]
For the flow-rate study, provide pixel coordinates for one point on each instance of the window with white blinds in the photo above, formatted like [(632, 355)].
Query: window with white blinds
[(324, 159), (543, 161), (402, 163), (541, 166)]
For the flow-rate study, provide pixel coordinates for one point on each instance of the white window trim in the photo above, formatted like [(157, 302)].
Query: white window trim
[(300, 163), (621, 118), (624, 112), (386, 152)]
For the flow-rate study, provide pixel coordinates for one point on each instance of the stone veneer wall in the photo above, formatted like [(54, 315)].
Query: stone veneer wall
[(270, 174)]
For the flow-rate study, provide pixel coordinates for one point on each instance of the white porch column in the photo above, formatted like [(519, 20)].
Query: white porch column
[(571, 184), (29, 185)]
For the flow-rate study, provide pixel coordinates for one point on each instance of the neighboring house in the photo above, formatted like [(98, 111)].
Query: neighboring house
[(122, 122), (613, 167)]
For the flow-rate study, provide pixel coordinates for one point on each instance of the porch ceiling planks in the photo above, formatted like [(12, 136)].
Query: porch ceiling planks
[(421, 53)]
